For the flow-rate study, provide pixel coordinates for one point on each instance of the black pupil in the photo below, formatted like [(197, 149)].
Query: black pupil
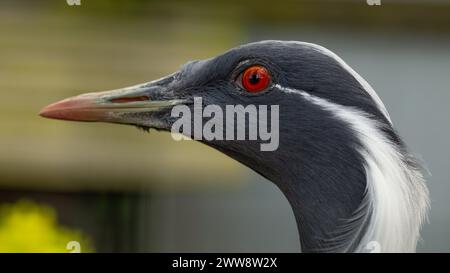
[(254, 78)]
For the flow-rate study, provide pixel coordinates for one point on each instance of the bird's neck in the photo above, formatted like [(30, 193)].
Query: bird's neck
[(321, 218), (359, 195), (326, 195)]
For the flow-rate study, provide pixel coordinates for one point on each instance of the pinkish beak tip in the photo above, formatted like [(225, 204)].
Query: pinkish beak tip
[(75, 108)]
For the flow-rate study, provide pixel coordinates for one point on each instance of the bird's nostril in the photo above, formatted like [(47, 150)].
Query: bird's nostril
[(130, 99)]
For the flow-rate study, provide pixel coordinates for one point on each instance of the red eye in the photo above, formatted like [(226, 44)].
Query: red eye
[(255, 79)]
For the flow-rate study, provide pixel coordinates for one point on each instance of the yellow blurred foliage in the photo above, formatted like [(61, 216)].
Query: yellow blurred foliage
[(29, 227)]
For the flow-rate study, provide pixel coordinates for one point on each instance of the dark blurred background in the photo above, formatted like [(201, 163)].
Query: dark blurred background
[(113, 188)]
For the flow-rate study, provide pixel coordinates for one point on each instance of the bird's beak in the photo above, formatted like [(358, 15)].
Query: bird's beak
[(105, 106)]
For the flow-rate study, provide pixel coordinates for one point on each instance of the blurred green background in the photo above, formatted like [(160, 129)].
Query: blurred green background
[(115, 189)]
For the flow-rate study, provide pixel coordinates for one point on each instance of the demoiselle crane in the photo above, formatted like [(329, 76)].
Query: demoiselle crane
[(345, 171)]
